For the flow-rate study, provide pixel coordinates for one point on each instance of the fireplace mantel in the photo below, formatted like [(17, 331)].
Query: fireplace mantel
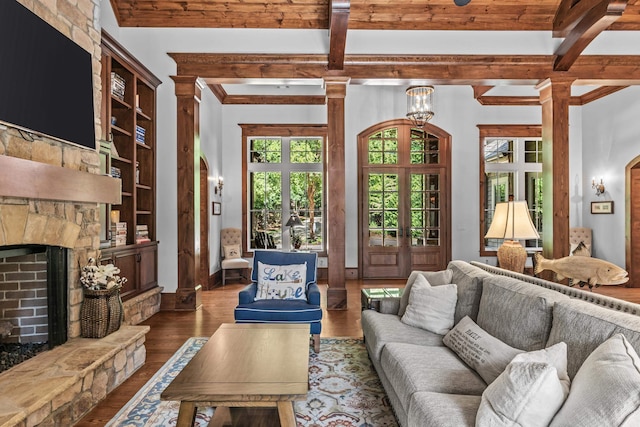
[(35, 180)]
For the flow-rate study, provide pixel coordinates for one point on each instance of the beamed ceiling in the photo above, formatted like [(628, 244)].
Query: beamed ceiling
[(574, 23)]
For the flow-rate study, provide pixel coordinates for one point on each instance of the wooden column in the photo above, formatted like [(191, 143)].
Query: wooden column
[(555, 95), (336, 90), (188, 93)]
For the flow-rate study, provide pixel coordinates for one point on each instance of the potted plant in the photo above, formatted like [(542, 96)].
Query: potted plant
[(101, 310)]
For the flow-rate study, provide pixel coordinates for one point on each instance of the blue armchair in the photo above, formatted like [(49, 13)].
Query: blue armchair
[(285, 310)]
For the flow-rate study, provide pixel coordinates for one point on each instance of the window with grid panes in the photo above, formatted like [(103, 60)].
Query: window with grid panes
[(512, 170), (285, 178)]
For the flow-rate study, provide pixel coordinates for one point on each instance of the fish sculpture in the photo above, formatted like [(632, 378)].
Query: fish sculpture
[(582, 270)]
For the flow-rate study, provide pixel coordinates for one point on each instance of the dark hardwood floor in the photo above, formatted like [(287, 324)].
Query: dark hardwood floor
[(170, 329)]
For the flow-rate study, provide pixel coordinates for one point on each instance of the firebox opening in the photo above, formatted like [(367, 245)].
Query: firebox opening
[(33, 299)]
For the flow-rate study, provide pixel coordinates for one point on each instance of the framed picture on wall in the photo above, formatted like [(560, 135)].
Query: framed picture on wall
[(217, 208), (602, 207)]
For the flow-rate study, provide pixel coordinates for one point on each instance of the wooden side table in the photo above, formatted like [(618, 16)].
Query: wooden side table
[(370, 298)]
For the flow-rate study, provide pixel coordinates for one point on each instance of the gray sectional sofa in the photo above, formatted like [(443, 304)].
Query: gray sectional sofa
[(429, 385)]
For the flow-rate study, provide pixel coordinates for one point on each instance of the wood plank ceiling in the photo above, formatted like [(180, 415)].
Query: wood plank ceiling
[(481, 15), (578, 22)]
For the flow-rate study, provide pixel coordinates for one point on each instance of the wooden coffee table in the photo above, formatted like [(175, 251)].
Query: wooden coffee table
[(245, 365)]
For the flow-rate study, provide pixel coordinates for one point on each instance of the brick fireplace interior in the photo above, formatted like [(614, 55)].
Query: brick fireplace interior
[(33, 300)]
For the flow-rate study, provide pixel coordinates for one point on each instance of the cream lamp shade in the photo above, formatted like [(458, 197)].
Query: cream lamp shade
[(512, 222)]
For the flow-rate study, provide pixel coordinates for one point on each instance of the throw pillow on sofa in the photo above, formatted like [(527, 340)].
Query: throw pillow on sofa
[(529, 392), (431, 307), (604, 391), (281, 281), (485, 354), (435, 278)]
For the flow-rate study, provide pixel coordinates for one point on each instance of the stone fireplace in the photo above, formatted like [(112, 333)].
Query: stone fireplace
[(50, 193)]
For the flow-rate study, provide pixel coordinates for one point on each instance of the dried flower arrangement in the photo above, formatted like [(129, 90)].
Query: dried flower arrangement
[(96, 276)]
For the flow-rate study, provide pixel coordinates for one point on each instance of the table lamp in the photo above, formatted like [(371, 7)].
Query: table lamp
[(512, 222)]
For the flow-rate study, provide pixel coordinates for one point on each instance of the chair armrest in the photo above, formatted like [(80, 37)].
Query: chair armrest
[(389, 305), (247, 294), (313, 294)]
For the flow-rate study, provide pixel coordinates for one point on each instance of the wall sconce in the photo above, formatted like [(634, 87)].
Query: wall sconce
[(598, 187), (218, 188)]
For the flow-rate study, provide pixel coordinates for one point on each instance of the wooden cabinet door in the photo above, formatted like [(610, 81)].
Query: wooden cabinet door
[(147, 265), (127, 262)]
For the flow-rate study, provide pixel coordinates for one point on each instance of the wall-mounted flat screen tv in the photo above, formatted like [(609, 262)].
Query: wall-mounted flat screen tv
[(46, 81)]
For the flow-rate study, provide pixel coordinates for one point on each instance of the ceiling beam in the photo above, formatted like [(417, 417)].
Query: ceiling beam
[(275, 99), (586, 98), (338, 24), (569, 13), (478, 91), (587, 28), (478, 70), (509, 100), (218, 91), (601, 92), (227, 99)]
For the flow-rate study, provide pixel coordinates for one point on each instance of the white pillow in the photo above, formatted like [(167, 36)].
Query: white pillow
[(484, 353), (431, 307), (231, 251), (435, 278), (529, 392), (281, 281), (606, 389)]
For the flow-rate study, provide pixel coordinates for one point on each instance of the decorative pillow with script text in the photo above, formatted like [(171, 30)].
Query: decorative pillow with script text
[(281, 281)]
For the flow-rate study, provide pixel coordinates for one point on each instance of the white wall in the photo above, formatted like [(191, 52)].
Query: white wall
[(611, 134), (211, 148)]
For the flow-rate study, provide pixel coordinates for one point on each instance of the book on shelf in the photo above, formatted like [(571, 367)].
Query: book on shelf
[(117, 85), (142, 233), (115, 172), (118, 234), (140, 134)]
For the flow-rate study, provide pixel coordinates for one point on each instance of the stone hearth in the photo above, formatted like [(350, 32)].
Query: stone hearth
[(58, 387)]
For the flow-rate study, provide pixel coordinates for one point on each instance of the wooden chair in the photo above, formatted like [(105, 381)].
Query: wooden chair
[(231, 252)]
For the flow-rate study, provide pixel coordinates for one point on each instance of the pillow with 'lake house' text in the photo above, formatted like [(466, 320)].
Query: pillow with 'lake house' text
[(281, 281)]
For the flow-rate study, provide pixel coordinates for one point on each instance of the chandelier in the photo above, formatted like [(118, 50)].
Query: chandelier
[(420, 104)]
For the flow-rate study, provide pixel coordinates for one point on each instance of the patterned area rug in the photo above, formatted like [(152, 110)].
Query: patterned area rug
[(344, 391)]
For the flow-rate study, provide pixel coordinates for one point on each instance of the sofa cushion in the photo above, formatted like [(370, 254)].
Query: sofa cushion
[(410, 368), (525, 312), (529, 392), (380, 329), (435, 278), (485, 354), (431, 307), (605, 389), (584, 326), (427, 408), (469, 279)]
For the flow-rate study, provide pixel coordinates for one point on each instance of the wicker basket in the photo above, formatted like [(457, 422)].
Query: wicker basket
[(100, 313)]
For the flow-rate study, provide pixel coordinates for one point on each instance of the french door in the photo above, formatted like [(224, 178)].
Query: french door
[(404, 200)]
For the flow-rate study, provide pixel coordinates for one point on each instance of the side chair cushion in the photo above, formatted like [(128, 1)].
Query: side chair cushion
[(235, 263)]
